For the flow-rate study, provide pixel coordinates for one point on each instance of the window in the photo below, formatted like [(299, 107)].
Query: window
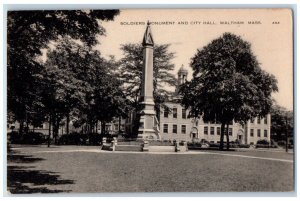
[(174, 128), (205, 130), (165, 128), (252, 121), (265, 133), (141, 125), (174, 112), (251, 143), (258, 120), (116, 127), (184, 113), (258, 132), (166, 113), (212, 130), (42, 126), (251, 132), (183, 129), (218, 131), (107, 127), (266, 120), (230, 131)]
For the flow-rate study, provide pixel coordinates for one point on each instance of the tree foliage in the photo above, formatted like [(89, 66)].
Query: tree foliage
[(82, 85), (131, 66), (30, 31), (228, 83), (282, 122)]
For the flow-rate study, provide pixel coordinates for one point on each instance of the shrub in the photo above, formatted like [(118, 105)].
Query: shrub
[(34, 138), (28, 138), (273, 146), (80, 139), (214, 145), (281, 143), (94, 139), (194, 144), (262, 146), (204, 141), (244, 145), (263, 142), (14, 137)]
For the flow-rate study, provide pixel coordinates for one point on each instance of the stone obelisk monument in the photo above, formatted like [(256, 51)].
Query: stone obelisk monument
[(148, 122)]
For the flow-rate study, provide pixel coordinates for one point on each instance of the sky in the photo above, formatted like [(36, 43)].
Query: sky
[(268, 30)]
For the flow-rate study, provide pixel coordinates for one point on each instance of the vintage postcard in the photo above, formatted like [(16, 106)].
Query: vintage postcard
[(150, 100)]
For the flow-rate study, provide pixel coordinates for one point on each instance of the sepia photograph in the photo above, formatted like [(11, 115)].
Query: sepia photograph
[(149, 101)]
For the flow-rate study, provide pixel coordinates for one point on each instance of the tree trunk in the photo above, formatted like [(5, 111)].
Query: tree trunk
[(222, 136), (68, 122), (57, 130), (91, 126), (27, 127), (119, 125), (227, 136), (102, 127), (55, 122), (96, 127), (21, 127), (49, 134)]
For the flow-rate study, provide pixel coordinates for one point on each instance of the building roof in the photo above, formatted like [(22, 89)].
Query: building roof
[(182, 70)]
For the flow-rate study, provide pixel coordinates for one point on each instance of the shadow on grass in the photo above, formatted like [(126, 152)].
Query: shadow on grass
[(22, 180), (15, 158), (25, 180)]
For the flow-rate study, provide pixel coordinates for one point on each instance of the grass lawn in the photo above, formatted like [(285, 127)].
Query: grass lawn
[(86, 170)]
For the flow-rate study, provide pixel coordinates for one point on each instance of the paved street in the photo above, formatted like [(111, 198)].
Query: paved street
[(84, 169)]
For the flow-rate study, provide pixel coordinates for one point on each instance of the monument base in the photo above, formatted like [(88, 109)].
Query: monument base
[(147, 134), (148, 128)]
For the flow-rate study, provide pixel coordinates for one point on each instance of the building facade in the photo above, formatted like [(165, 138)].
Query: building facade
[(176, 125)]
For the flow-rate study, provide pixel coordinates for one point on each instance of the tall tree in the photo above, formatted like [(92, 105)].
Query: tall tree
[(30, 31), (65, 76), (282, 123), (83, 84), (130, 72), (228, 84), (107, 100)]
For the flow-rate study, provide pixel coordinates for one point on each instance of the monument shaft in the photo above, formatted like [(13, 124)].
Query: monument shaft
[(147, 88), (148, 128)]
